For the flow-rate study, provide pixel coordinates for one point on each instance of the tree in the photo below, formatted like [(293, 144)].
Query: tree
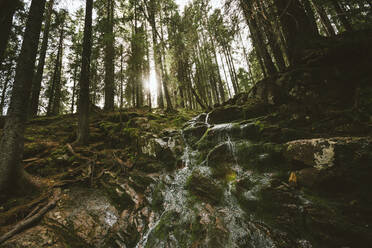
[(297, 28), (83, 122), (36, 85), (12, 175), (109, 57), (7, 10)]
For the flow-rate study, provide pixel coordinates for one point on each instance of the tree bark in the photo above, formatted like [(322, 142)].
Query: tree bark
[(83, 122), (296, 27), (7, 10), (109, 58), (36, 84), (157, 56), (165, 74), (258, 41), (324, 18), (12, 141), (311, 16), (58, 86)]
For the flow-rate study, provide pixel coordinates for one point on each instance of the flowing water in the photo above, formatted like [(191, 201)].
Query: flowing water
[(189, 219)]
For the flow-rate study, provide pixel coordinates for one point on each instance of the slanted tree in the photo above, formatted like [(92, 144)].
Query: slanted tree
[(12, 175), (84, 102)]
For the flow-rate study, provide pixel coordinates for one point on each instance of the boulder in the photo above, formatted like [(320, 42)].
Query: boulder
[(225, 114), (204, 188), (324, 153), (194, 133)]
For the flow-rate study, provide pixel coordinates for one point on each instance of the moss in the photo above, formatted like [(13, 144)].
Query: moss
[(163, 229), (204, 188), (141, 182), (122, 201), (32, 149), (157, 197)]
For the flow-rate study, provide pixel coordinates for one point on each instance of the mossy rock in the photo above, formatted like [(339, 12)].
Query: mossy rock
[(194, 133), (225, 114), (261, 157), (204, 188), (221, 159)]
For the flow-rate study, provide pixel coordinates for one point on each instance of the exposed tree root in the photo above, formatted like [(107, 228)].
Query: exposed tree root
[(32, 218)]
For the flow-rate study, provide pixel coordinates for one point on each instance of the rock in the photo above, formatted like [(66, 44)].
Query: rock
[(193, 134), (325, 153), (204, 188), (221, 159), (225, 114), (82, 223), (310, 177), (338, 164)]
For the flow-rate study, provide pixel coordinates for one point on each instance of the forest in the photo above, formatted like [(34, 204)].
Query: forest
[(185, 123)]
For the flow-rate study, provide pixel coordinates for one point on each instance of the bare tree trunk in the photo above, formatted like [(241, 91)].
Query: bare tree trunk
[(7, 10), (58, 88), (165, 74), (4, 90), (83, 123), (109, 58), (12, 140), (296, 27), (36, 84), (324, 19)]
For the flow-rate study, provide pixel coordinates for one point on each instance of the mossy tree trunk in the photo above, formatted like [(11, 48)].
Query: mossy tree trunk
[(12, 140)]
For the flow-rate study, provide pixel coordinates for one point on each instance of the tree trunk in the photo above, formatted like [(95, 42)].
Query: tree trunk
[(58, 85), (311, 16), (109, 58), (7, 10), (296, 27), (83, 123), (157, 55), (257, 39), (165, 74), (12, 140), (272, 40), (324, 19), (36, 84), (4, 90)]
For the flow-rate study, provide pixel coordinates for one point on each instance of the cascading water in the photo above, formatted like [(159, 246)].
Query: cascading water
[(188, 219)]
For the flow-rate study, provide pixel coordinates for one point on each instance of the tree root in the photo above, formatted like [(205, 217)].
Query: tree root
[(29, 220)]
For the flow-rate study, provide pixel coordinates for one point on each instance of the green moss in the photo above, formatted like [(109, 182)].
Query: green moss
[(122, 201), (204, 188)]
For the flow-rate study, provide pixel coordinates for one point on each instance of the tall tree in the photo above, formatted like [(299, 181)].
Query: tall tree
[(7, 10), (83, 122), (36, 84), (152, 9), (296, 26), (109, 57), (12, 175)]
